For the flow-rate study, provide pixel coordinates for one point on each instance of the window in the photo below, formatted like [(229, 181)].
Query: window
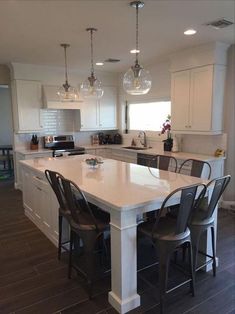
[(148, 116)]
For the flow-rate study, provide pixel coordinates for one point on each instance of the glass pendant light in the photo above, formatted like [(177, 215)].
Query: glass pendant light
[(92, 87), (66, 92), (137, 81)]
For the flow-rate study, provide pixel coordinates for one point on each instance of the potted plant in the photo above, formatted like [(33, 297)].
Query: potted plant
[(166, 128), (34, 142)]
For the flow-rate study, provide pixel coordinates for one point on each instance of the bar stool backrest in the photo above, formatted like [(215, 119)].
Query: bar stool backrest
[(196, 168), (220, 185), (52, 179), (188, 197), (163, 162), (81, 213)]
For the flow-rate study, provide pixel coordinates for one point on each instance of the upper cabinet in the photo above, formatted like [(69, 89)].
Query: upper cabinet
[(27, 104), (100, 114), (197, 89), (197, 100)]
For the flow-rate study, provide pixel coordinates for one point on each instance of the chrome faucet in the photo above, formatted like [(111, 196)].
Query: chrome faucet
[(144, 143)]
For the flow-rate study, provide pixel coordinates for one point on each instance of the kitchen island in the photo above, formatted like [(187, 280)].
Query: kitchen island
[(125, 190)]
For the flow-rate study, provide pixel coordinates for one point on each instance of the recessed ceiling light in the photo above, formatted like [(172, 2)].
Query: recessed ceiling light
[(99, 63), (190, 32), (135, 51)]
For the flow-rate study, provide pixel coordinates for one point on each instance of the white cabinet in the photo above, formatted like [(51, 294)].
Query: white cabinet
[(127, 156), (24, 156), (40, 204), (27, 102), (100, 114), (28, 200), (197, 100), (107, 109)]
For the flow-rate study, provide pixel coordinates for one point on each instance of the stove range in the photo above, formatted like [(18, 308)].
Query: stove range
[(62, 145)]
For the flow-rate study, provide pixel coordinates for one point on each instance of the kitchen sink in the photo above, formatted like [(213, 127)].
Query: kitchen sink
[(135, 147)]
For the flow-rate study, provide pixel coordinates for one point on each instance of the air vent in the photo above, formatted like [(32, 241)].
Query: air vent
[(222, 23), (112, 60)]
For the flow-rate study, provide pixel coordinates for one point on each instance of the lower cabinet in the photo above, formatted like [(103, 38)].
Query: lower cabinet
[(23, 156), (126, 156), (40, 204)]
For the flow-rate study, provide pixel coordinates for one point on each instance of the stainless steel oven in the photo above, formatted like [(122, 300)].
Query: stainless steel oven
[(62, 145)]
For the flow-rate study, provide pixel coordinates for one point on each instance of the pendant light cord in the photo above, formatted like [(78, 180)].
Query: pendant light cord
[(137, 33), (65, 62), (92, 61)]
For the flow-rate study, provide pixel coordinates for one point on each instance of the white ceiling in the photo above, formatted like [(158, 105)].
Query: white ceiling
[(31, 30)]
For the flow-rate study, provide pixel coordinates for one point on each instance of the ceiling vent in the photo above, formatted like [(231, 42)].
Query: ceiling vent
[(112, 60), (221, 23)]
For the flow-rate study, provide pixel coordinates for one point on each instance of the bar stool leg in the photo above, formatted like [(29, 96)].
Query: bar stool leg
[(190, 255), (213, 250), (163, 277), (70, 254), (60, 236)]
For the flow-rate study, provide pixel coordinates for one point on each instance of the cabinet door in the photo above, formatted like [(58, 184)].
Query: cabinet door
[(28, 199), (42, 200), (201, 99), (107, 108), (180, 97), (27, 117), (89, 114)]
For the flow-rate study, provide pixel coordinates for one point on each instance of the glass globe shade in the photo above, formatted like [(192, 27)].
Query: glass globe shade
[(89, 90), (71, 94), (137, 84)]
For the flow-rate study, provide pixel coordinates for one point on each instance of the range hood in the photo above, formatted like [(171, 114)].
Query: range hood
[(52, 101)]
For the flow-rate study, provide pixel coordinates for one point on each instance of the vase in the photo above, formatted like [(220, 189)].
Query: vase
[(168, 145)]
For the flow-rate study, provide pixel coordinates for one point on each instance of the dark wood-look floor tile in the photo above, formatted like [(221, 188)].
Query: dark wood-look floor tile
[(33, 281), (95, 305), (222, 303), (56, 303)]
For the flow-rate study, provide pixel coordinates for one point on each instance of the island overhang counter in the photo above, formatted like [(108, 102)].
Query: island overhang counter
[(125, 190)]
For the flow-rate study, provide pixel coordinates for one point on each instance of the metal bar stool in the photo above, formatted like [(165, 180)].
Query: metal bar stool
[(63, 210), (164, 162), (84, 224), (196, 168), (167, 234), (202, 220)]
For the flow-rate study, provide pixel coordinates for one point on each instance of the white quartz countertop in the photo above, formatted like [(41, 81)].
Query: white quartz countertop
[(151, 151), (36, 151), (154, 151), (115, 184)]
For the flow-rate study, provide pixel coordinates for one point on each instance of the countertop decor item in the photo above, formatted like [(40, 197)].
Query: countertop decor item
[(93, 161), (91, 87), (34, 142), (66, 92), (137, 81)]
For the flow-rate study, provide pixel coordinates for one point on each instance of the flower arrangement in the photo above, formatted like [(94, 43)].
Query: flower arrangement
[(166, 128)]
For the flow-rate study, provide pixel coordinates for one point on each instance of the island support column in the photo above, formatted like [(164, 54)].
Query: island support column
[(123, 296)]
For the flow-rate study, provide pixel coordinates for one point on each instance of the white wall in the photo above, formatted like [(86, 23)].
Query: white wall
[(4, 75), (55, 75), (6, 129), (229, 124)]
